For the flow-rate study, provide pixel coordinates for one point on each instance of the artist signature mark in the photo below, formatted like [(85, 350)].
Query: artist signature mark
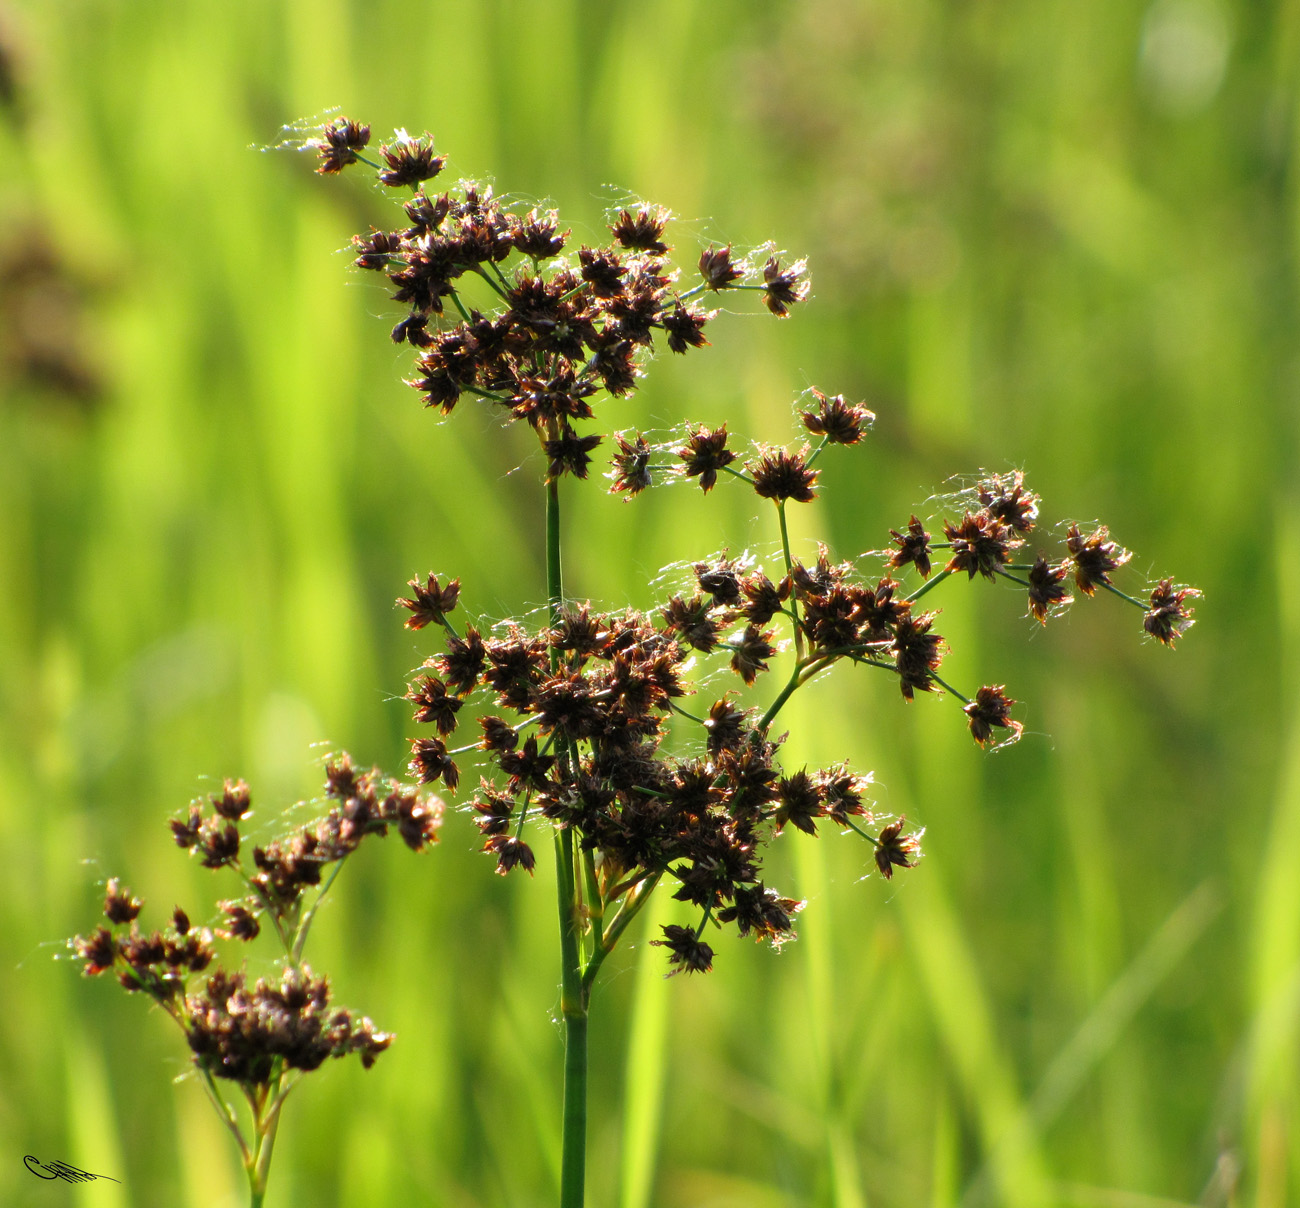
[(61, 1170)]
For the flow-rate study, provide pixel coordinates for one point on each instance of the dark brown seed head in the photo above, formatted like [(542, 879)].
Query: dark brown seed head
[(241, 922), (511, 853), (643, 230), (840, 422), (1169, 617), (119, 905), (780, 475), (339, 143), (800, 802), (539, 236), (980, 544), (431, 603), (233, 803), (895, 848), (431, 762), (1094, 557), (631, 466), (433, 704), (1004, 498), (992, 707), (410, 161), (782, 288), (686, 951), (685, 327), (917, 653), (98, 950), (569, 453), (765, 597), (1047, 589), (603, 270), (914, 547), (376, 250), (717, 269), (750, 653), (704, 454)]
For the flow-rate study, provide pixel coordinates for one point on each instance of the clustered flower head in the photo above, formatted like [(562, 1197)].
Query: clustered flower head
[(545, 328), (248, 1033), (587, 703), (502, 308)]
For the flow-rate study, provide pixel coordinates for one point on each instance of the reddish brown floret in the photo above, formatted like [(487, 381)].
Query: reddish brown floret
[(800, 802), (684, 326), (917, 653), (765, 597), (569, 453), (119, 905), (685, 949), (992, 707), (241, 922), (1004, 498), (410, 161), (1047, 589), (782, 288), (780, 475), (602, 270), (717, 268), (511, 853), (750, 653), (376, 250), (704, 454), (234, 801), (691, 620), (842, 793), (539, 236), (913, 547), (433, 704), (839, 422), (431, 762), (431, 603), (642, 231), (980, 545), (339, 143), (1169, 617), (1094, 557), (99, 950), (895, 848), (631, 466)]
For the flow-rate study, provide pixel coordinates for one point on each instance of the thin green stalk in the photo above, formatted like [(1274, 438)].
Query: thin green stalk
[(789, 570), (295, 955), (1115, 591), (574, 1158), (573, 1007), (929, 584), (573, 994)]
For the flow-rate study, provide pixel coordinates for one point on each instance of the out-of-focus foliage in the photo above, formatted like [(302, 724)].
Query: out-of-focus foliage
[(1052, 236)]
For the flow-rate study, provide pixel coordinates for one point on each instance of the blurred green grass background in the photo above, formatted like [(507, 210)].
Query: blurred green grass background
[(1045, 235)]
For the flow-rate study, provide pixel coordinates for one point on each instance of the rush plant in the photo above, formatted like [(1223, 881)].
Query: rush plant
[(571, 741)]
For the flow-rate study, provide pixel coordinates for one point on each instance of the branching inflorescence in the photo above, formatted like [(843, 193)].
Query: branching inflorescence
[(261, 1037), (579, 720), (588, 695)]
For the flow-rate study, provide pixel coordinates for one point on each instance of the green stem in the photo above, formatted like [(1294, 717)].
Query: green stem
[(1115, 591), (933, 582), (789, 570), (573, 1007), (554, 576), (573, 994), (574, 1157)]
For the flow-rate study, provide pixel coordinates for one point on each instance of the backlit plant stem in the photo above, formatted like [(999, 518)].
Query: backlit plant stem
[(573, 994)]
